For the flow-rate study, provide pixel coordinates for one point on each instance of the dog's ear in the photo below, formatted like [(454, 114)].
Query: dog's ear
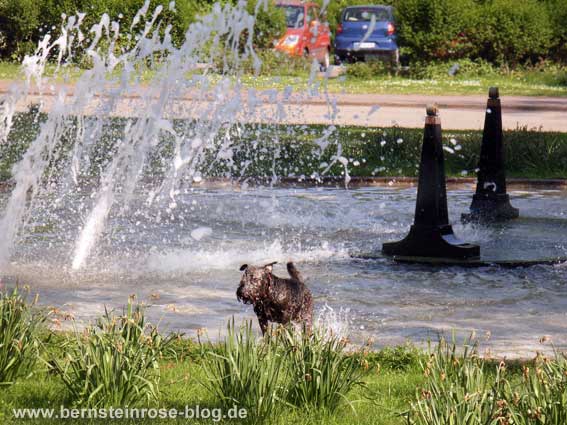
[(243, 267), (269, 267)]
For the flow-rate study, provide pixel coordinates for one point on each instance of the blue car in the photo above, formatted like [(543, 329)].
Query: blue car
[(366, 32)]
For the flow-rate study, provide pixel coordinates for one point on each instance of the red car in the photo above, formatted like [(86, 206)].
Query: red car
[(306, 35)]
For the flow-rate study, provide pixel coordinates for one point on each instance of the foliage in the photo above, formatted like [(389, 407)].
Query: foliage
[(288, 367), (366, 70), (402, 357), (115, 362), (513, 32), (557, 10), (244, 371), (261, 151), (499, 31), (275, 63), (459, 388), (270, 23), (19, 20), (19, 325), (462, 388), (320, 372), (542, 397), (436, 29)]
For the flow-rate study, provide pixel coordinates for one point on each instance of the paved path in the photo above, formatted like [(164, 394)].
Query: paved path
[(376, 110)]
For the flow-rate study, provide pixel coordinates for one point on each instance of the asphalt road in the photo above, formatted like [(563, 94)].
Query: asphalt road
[(457, 112)]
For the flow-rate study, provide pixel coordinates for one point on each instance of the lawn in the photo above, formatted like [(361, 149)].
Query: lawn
[(394, 388), (389, 84), (434, 80)]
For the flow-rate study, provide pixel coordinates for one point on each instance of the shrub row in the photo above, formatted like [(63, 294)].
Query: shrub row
[(280, 151), (24, 22), (499, 31)]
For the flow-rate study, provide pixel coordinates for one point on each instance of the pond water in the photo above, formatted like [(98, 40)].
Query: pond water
[(184, 263)]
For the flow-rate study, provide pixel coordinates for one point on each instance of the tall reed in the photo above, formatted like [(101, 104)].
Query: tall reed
[(19, 325), (115, 362), (244, 371)]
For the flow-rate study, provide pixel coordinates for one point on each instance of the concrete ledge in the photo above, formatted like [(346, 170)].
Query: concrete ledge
[(483, 262), (339, 182)]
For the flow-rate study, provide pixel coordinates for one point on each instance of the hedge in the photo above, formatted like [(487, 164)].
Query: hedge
[(265, 151), (499, 31)]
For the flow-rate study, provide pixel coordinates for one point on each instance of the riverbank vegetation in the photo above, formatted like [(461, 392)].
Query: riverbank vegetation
[(274, 152), (286, 377)]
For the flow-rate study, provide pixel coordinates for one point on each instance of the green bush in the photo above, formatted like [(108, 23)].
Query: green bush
[(498, 31), (557, 10), (437, 29), (19, 20), (19, 325), (115, 362), (513, 32), (270, 23), (366, 70), (276, 63)]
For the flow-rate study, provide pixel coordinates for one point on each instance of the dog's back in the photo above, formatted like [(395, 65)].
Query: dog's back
[(292, 297)]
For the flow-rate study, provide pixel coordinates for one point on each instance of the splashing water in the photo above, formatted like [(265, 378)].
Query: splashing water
[(114, 134), (333, 322)]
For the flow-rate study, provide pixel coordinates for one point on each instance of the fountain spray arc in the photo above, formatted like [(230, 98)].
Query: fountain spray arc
[(110, 98), (491, 202), (431, 235)]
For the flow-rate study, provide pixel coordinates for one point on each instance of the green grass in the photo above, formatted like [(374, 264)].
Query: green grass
[(388, 84), (450, 384), (535, 81), (181, 385), (398, 379), (262, 151)]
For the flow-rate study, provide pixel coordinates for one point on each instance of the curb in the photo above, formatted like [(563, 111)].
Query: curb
[(355, 182)]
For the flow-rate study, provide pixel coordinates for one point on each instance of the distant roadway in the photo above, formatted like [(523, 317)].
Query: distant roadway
[(375, 110)]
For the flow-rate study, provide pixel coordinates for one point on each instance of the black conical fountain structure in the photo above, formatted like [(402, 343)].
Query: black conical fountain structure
[(490, 202), (431, 235)]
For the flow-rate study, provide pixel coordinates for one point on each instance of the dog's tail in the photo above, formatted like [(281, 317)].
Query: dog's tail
[(293, 272)]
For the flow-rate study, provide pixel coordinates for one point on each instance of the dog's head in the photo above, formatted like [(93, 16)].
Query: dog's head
[(251, 284)]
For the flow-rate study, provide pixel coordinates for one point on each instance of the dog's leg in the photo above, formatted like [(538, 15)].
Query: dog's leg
[(263, 324), (307, 312), (262, 317)]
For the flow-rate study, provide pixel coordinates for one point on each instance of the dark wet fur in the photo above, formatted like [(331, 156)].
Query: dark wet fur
[(276, 299)]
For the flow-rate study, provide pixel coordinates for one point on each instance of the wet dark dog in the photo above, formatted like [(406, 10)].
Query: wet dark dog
[(276, 299)]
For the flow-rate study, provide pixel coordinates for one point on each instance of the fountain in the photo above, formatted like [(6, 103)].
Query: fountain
[(143, 186)]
